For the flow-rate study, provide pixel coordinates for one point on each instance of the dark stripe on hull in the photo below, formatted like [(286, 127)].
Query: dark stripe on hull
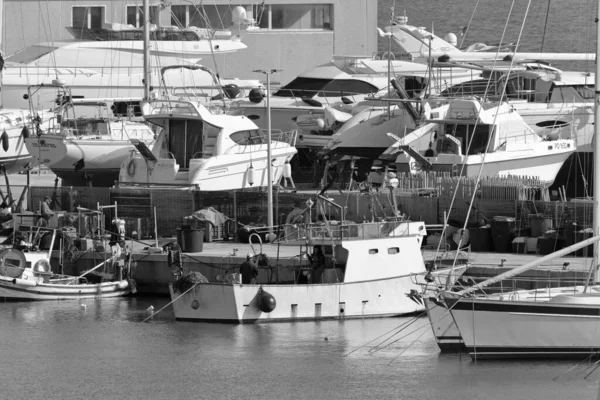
[(533, 352), (362, 152), (514, 307), (270, 321)]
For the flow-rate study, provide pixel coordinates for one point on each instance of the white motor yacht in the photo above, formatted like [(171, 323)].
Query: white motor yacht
[(110, 64), (340, 86), (466, 135), (212, 151)]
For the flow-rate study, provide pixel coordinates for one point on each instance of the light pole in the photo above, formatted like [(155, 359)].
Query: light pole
[(269, 172)]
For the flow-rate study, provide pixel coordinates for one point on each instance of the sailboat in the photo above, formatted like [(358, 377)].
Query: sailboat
[(565, 325), (88, 139)]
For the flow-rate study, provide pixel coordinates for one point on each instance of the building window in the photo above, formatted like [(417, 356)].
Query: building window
[(208, 16), (274, 16), (88, 17), (135, 15), (300, 16)]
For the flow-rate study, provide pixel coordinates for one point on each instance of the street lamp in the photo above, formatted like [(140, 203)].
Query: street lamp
[(269, 172)]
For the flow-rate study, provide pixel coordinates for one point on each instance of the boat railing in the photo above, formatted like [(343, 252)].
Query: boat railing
[(530, 288), (318, 97), (351, 231), (279, 139), (171, 107)]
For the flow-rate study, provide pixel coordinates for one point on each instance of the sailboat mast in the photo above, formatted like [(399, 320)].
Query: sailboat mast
[(596, 209), (146, 50)]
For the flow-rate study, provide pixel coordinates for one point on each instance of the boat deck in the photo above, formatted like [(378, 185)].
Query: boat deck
[(287, 251)]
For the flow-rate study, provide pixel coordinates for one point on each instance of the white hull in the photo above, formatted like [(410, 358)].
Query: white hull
[(542, 160), (566, 326), (16, 157), (239, 303), (61, 291), (444, 329), (365, 134), (110, 84), (223, 172), (101, 157)]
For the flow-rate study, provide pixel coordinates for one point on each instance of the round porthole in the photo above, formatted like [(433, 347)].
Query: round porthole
[(195, 304)]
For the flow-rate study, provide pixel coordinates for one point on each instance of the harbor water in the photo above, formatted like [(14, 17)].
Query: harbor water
[(104, 350)]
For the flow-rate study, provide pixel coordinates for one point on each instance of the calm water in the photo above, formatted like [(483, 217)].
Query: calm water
[(57, 350), (60, 351)]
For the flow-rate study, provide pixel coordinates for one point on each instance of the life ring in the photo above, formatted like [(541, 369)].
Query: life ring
[(386, 55), (131, 167), (4, 141)]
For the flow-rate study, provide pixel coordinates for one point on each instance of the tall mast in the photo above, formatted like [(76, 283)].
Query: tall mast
[(146, 50), (596, 209), (389, 59)]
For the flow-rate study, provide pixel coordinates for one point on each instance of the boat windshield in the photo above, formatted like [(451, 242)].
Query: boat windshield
[(311, 87), (30, 54), (253, 136), (133, 34)]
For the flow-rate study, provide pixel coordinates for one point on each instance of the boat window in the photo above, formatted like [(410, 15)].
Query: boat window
[(30, 54), (393, 250), (521, 88), (373, 251), (248, 137), (586, 92), (185, 140), (300, 87), (464, 133), (341, 87), (475, 87)]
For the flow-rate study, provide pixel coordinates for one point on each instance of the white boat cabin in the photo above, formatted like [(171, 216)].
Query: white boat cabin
[(196, 145)]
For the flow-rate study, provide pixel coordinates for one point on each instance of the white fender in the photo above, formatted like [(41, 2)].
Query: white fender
[(24, 282)]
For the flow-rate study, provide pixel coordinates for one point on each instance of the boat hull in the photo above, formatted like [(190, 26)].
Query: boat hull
[(102, 159), (535, 160), (237, 303), (14, 156), (524, 329), (444, 329), (51, 291), (224, 172)]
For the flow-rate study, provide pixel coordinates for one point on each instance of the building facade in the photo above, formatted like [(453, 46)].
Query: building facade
[(293, 35)]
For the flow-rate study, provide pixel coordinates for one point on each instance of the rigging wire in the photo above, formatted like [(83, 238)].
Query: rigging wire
[(503, 94), (462, 40), (545, 26)]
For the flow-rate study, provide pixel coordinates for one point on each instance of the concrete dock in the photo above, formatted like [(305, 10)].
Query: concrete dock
[(153, 274)]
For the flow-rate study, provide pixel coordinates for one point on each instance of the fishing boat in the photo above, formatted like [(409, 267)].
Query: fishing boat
[(468, 135), (87, 139), (25, 273), (372, 270)]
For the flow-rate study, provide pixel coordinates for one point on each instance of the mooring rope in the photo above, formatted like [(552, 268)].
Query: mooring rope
[(177, 298)]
